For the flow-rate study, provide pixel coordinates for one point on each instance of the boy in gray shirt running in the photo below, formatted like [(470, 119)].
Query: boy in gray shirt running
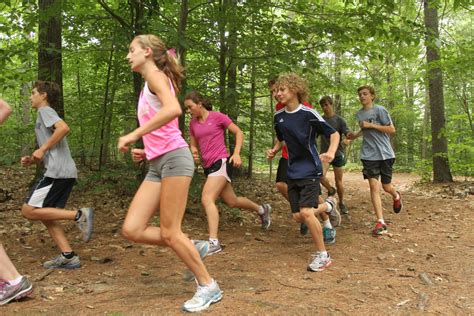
[(377, 155), (48, 196)]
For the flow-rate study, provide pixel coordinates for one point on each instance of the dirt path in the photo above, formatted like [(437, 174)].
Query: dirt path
[(425, 264)]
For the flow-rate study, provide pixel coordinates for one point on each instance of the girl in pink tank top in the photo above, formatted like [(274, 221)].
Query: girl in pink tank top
[(171, 167)]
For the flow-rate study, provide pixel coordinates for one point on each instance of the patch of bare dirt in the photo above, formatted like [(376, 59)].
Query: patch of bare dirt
[(425, 264)]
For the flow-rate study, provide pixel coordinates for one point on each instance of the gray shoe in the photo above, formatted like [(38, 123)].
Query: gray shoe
[(61, 262), (204, 297), (10, 292), (214, 248), (84, 223), (334, 215), (266, 217), (329, 235), (343, 208), (202, 246)]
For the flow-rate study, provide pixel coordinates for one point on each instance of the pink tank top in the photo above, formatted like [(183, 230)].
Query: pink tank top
[(164, 139)]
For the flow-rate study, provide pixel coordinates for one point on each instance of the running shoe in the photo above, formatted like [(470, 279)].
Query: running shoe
[(10, 292), (204, 297), (329, 235), (343, 209), (379, 229), (266, 217), (84, 223), (334, 215), (61, 262), (214, 248), (320, 262), (397, 204), (303, 229)]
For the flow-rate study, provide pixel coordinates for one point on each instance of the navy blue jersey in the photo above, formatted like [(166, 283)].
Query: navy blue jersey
[(299, 129)]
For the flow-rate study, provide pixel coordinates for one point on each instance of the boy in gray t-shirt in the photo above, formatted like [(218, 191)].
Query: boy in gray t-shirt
[(377, 155), (48, 196)]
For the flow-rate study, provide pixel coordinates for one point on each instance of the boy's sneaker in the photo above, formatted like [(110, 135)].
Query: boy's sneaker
[(379, 229), (266, 217), (332, 191), (202, 246), (303, 229), (214, 248), (334, 215), (329, 235), (204, 297), (61, 262), (320, 262), (397, 204), (84, 223), (343, 208), (10, 292)]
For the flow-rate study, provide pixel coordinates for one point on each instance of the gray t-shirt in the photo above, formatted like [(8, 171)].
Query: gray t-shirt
[(375, 145), (57, 160), (340, 125)]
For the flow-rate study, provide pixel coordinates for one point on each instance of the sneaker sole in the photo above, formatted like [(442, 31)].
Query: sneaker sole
[(206, 306), (320, 269), (20, 295), (90, 219), (214, 252), (72, 267), (266, 227)]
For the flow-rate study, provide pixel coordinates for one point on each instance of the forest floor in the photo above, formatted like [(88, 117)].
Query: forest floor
[(425, 264)]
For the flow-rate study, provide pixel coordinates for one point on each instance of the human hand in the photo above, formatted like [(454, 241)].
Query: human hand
[(138, 154), (326, 157), (26, 161), (235, 160), (366, 124), (126, 140), (271, 153), (38, 154)]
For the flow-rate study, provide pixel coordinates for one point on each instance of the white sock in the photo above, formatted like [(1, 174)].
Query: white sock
[(327, 224), (329, 207), (324, 253), (214, 241), (16, 281), (261, 210), (381, 221)]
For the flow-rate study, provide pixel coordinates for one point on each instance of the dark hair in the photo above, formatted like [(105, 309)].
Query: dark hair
[(163, 60), (50, 88), (272, 81), (325, 99), (370, 88), (196, 97)]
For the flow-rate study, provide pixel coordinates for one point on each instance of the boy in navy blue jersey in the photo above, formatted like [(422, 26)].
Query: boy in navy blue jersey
[(297, 126)]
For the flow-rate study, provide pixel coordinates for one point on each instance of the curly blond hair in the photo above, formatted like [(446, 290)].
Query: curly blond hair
[(295, 84)]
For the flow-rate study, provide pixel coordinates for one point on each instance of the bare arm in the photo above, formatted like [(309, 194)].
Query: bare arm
[(333, 144), (194, 150), (5, 111), (239, 140), (389, 129), (276, 148)]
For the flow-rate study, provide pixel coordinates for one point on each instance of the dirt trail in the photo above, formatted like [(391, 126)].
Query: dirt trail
[(425, 264)]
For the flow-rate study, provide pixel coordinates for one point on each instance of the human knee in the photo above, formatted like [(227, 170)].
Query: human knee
[(281, 187), (306, 214), (297, 217), (27, 211), (131, 232), (387, 187), (167, 236)]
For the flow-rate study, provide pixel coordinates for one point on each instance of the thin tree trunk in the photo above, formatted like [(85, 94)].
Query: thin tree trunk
[(183, 22), (441, 171), (82, 151), (253, 89)]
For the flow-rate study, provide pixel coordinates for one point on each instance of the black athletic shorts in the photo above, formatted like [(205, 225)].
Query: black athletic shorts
[(50, 192), (376, 168), (303, 193), (281, 172)]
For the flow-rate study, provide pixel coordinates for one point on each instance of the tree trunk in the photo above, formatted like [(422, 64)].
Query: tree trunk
[(183, 22), (410, 94), (441, 171), (253, 89), (82, 151), (222, 54), (49, 47), (337, 81)]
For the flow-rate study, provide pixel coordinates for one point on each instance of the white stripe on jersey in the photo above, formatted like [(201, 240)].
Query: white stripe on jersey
[(313, 111)]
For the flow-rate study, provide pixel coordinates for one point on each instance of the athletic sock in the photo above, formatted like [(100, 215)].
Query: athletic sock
[(381, 221), (68, 255), (324, 253), (327, 224), (15, 281), (213, 241), (78, 215), (329, 207), (261, 211)]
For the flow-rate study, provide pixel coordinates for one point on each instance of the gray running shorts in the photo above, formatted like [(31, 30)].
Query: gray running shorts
[(176, 163)]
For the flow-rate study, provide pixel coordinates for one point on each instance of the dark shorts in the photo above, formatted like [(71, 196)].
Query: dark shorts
[(303, 193), (281, 172), (339, 161), (50, 192), (376, 168)]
